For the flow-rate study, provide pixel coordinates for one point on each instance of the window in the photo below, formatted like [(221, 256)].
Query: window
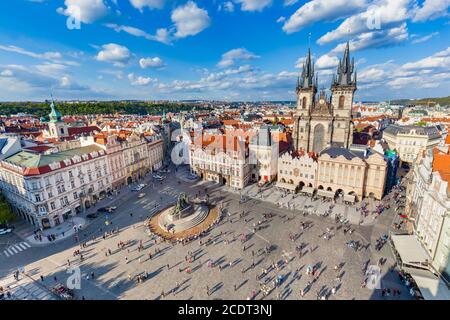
[(61, 189), (52, 205), (37, 196), (50, 195), (72, 184), (341, 102), (75, 195), (304, 103)]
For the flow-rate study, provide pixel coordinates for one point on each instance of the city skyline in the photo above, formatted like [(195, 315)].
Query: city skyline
[(156, 50)]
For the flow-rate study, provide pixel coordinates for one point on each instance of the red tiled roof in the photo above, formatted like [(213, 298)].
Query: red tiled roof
[(82, 130), (231, 122), (287, 122), (441, 163), (39, 149)]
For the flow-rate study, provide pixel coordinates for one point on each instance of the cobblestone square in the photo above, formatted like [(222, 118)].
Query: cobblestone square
[(223, 266)]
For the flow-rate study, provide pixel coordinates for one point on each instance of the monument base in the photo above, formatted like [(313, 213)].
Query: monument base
[(174, 224)]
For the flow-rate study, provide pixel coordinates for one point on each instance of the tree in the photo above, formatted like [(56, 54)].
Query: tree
[(421, 123), (6, 214)]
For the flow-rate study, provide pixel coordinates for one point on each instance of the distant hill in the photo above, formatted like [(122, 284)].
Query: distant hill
[(443, 101)]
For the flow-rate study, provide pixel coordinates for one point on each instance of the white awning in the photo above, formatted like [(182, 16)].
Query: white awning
[(430, 286), (410, 250), (309, 190), (325, 193), (349, 198)]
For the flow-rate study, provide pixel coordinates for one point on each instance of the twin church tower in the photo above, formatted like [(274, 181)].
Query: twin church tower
[(324, 122)]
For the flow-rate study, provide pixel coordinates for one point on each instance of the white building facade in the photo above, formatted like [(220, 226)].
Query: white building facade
[(47, 189)]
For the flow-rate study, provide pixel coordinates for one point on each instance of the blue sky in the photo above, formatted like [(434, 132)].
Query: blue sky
[(219, 49)]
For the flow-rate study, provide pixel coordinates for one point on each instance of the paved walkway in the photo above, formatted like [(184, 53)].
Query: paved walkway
[(63, 231), (299, 202), (26, 289), (295, 243), (66, 229)]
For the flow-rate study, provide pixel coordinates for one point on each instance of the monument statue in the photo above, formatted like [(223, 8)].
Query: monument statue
[(182, 208)]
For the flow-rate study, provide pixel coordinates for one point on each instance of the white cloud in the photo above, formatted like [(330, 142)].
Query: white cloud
[(162, 35), (376, 39), (113, 53), (51, 68), (320, 10), (189, 20), (372, 74), (427, 73), (6, 73), (151, 4), (34, 79), (425, 38), (87, 11), (229, 72), (229, 58), (253, 5), (227, 6), (281, 19), (431, 9), (287, 3), (117, 74), (440, 60), (66, 83), (140, 81), (50, 55), (326, 61), (151, 62), (389, 12)]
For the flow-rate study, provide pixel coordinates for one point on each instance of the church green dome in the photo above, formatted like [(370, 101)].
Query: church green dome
[(55, 115)]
